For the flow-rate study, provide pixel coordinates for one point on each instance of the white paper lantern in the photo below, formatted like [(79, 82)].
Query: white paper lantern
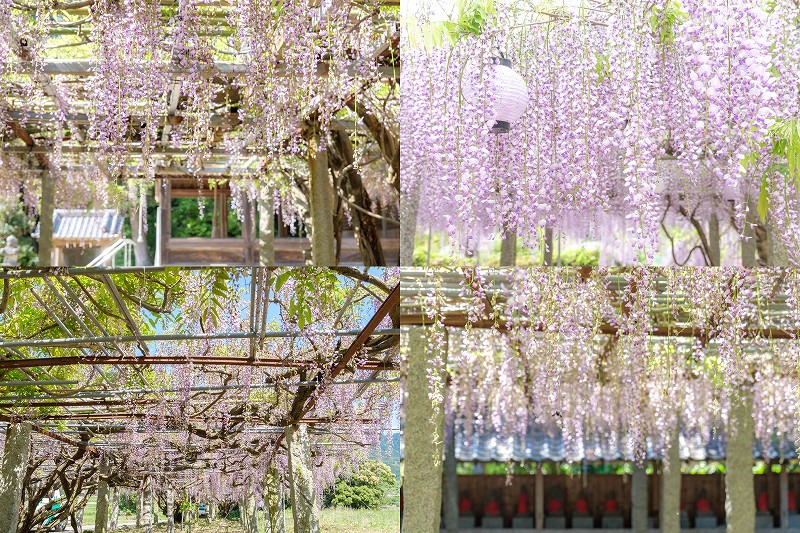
[(507, 90)]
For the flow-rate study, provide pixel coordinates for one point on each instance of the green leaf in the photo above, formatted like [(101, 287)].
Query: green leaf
[(281, 280)]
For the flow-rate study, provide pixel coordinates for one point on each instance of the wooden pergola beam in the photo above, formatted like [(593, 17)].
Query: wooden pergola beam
[(460, 320), (273, 362)]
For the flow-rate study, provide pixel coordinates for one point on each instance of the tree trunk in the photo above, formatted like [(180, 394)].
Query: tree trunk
[(508, 249), (147, 507), (114, 509), (273, 503), (320, 202), (170, 508), (103, 499), (301, 480), (409, 207), (714, 240), (341, 159), (740, 510), (388, 140), (16, 454), (46, 220), (422, 483)]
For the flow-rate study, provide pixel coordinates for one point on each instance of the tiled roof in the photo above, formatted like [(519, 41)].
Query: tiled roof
[(540, 445), (79, 225)]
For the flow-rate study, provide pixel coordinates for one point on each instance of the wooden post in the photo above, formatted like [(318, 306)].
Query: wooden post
[(639, 498), (740, 501), (266, 226), (301, 480), (320, 202), (783, 480), (12, 474), (46, 207), (538, 497), (103, 499), (422, 480)]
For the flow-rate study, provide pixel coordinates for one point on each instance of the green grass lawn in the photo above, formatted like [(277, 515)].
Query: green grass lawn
[(338, 520)]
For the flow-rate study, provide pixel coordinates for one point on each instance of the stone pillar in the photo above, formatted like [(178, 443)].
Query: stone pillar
[(147, 507), (450, 479), (114, 518), (538, 497), (323, 251), (273, 503), (670, 521), (639, 498), (301, 480), (424, 425), (16, 453), (266, 226), (103, 498), (46, 219), (740, 500), (170, 510)]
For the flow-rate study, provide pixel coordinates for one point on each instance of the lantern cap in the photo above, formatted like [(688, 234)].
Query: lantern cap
[(501, 61), (501, 126)]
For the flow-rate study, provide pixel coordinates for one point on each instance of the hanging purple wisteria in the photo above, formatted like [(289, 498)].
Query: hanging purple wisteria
[(641, 115), (617, 357)]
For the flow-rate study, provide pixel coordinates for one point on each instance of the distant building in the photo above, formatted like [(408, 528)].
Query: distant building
[(79, 236)]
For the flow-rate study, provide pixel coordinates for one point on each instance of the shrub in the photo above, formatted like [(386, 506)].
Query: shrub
[(365, 489)]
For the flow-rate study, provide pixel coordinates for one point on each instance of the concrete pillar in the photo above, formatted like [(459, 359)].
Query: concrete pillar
[(12, 474), (450, 479), (114, 518), (424, 426), (409, 207), (508, 249), (273, 503), (323, 251), (783, 484), (266, 227), (170, 510), (639, 498), (46, 219), (740, 501), (103, 498), (305, 510), (538, 497), (147, 507), (670, 521)]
